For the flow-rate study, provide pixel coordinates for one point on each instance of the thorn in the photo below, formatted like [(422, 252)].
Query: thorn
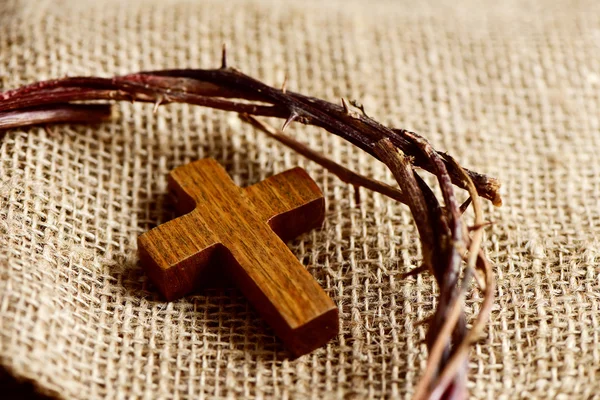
[(158, 102), (480, 278), (345, 105), (284, 85), (50, 132), (479, 226), (424, 321), (414, 271), (465, 205), (224, 57), (356, 195), (293, 116), (131, 98)]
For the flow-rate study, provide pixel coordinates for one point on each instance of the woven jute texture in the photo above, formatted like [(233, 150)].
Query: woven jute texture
[(510, 88)]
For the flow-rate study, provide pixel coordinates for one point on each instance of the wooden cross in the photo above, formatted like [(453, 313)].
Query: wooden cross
[(240, 232)]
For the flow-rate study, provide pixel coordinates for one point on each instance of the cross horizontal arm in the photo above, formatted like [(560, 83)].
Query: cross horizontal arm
[(291, 202), (177, 253)]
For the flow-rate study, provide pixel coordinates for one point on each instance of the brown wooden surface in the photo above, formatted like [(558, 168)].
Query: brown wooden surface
[(240, 232)]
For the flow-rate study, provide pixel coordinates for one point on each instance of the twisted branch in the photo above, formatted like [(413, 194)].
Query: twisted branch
[(446, 240)]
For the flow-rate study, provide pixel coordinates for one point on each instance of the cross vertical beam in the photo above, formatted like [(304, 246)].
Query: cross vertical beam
[(240, 232)]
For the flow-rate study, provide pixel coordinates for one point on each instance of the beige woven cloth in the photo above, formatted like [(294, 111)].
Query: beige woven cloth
[(511, 89)]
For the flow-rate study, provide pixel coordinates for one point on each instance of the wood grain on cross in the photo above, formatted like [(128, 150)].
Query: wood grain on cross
[(240, 232)]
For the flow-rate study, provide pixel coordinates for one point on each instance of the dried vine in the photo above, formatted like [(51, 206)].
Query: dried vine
[(445, 239)]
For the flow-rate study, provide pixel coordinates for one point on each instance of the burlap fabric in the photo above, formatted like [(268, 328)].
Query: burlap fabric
[(510, 88)]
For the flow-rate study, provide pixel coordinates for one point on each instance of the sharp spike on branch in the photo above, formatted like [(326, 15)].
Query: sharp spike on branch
[(415, 271), (158, 102), (479, 226), (224, 57), (463, 207), (357, 195), (346, 106), (293, 116), (424, 321), (284, 84)]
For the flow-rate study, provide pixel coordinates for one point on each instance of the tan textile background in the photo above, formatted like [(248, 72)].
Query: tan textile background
[(510, 88)]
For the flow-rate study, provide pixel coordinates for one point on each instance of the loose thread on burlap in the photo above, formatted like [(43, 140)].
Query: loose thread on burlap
[(447, 241)]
